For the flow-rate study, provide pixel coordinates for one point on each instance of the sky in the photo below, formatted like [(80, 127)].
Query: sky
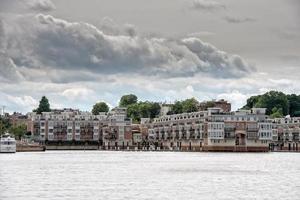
[(78, 52)]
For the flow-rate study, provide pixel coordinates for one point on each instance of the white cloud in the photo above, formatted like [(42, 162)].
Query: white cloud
[(207, 5), (77, 93), (19, 103), (236, 20), (236, 98), (41, 5)]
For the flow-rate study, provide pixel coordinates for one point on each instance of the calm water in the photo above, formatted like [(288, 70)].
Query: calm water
[(149, 175)]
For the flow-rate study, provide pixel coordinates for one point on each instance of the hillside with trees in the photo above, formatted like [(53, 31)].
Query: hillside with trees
[(146, 109), (277, 104)]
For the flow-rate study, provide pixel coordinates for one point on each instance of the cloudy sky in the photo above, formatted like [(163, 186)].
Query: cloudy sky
[(80, 52)]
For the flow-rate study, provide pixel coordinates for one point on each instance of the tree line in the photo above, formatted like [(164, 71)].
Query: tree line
[(277, 104), (17, 130), (135, 109)]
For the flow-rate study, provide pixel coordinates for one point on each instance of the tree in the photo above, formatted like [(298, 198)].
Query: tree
[(273, 99), (141, 109), (127, 100), (294, 105), (251, 102), (133, 112), (190, 105), (4, 125), (44, 106), (100, 107), (154, 109), (18, 131), (185, 106), (276, 113), (277, 103)]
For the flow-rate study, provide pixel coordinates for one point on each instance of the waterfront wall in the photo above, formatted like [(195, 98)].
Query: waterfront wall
[(29, 148)]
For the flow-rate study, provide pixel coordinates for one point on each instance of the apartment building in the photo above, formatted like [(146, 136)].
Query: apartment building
[(213, 130), (286, 132), (117, 132), (209, 130), (77, 126)]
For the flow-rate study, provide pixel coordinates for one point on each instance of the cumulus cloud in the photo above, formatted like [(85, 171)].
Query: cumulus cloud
[(236, 20), (75, 63), (19, 103), (77, 93), (207, 5), (46, 42), (41, 5), (236, 98), (25, 6), (109, 27)]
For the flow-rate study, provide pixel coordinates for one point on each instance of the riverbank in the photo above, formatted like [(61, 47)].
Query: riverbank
[(33, 148), (27, 147)]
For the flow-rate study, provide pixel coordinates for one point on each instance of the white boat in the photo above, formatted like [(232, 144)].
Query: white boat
[(7, 144)]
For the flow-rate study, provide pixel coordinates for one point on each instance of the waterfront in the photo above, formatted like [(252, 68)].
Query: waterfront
[(149, 175)]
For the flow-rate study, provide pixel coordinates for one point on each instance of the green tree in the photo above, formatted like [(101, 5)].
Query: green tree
[(271, 100), (190, 105), (18, 131), (251, 102), (100, 107), (4, 125), (185, 106), (154, 109), (177, 108), (44, 106), (133, 111), (127, 100), (277, 103), (276, 113), (294, 105), (145, 109)]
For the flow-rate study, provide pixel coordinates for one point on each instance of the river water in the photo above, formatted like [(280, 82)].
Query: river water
[(105, 175)]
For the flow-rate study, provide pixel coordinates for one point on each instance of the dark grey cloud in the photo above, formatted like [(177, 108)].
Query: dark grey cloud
[(288, 34), (43, 42), (2, 35), (236, 20), (8, 70), (207, 5)]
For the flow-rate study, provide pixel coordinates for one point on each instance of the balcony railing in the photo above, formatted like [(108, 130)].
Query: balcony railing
[(252, 129)]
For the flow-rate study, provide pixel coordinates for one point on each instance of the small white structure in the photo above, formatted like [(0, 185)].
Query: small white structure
[(7, 144)]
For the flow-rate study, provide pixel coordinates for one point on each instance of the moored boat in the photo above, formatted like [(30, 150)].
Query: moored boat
[(7, 144)]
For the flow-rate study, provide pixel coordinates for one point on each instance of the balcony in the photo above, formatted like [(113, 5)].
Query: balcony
[(249, 129), (229, 135), (60, 137), (229, 129)]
